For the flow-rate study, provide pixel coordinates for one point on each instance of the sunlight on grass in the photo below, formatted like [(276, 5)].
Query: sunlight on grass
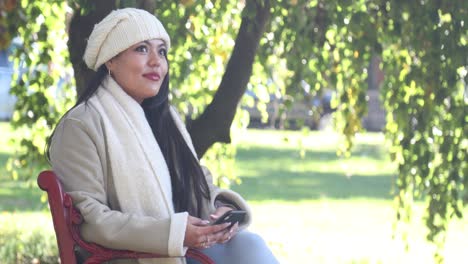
[(271, 167), (27, 219), (320, 152), (348, 231)]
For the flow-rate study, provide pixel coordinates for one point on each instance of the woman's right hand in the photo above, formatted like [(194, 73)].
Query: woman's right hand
[(199, 234)]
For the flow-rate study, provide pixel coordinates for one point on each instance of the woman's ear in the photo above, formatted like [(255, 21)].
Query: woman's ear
[(109, 65)]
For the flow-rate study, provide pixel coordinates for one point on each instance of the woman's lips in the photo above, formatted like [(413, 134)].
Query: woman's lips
[(152, 76)]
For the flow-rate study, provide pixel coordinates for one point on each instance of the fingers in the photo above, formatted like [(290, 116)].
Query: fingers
[(197, 221), (210, 235), (217, 228), (229, 233), (198, 236), (207, 239), (206, 242)]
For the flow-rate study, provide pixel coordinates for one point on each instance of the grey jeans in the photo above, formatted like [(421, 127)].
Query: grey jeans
[(244, 248)]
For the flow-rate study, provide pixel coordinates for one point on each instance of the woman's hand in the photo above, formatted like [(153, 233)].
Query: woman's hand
[(227, 233), (199, 234)]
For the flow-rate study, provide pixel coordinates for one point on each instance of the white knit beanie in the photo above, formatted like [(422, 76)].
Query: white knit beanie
[(118, 31)]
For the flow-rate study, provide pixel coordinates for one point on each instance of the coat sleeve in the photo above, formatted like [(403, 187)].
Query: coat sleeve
[(227, 195), (80, 162)]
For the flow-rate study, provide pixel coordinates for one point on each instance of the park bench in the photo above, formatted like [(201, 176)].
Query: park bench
[(67, 220)]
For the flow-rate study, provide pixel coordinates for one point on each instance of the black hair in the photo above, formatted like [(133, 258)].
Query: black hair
[(189, 185)]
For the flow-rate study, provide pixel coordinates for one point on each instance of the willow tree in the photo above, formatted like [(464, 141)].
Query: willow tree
[(296, 48)]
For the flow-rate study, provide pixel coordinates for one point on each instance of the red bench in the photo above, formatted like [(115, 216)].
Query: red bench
[(67, 220)]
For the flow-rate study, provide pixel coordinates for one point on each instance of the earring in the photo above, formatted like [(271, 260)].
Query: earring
[(109, 71)]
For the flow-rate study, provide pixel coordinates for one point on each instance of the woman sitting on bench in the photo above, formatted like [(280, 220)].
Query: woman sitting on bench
[(127, 160)]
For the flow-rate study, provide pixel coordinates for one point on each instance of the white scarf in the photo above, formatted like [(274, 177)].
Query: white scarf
[(141, 176)]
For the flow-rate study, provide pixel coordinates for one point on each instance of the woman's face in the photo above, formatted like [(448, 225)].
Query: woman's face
[(140, 69)]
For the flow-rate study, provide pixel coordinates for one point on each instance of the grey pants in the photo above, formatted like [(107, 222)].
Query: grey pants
[(244, 248)]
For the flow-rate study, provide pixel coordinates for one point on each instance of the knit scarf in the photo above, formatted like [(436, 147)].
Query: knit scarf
[(141, 176)]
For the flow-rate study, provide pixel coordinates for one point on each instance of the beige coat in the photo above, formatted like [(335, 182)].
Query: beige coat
[(79, 155)]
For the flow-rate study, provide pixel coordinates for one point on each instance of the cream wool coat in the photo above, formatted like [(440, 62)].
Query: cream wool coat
[(79, 154)]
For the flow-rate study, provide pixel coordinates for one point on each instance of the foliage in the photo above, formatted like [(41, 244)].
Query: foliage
[(421, 44), (426, 97), (324, 49), (5, 27), (309, 46), (42, 80)]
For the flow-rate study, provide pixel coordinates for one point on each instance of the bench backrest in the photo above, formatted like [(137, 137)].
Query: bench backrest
[(67, 220)]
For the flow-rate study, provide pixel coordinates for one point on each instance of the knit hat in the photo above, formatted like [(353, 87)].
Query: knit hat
[(118, 31)]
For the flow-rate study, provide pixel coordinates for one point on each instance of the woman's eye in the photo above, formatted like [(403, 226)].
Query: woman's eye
[(163, 52), (142, 48)]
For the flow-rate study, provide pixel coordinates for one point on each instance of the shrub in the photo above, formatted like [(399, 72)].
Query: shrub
[(27, 238)]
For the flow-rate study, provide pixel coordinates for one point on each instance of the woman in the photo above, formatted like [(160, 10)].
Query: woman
[(128, 162)]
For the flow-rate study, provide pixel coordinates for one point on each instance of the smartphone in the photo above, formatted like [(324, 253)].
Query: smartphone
[(234, 216)]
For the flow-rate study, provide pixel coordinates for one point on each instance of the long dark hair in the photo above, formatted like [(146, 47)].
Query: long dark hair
[(188, 181)]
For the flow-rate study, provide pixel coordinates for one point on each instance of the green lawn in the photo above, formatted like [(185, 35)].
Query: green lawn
[(315, 209), (14, 195)]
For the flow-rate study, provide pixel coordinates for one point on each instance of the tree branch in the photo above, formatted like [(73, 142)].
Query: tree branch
[(213, 125)]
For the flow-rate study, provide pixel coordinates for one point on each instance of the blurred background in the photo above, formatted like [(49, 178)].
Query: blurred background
[(343, 123)]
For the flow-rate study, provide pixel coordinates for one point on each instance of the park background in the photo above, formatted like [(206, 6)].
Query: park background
[(359, 112)]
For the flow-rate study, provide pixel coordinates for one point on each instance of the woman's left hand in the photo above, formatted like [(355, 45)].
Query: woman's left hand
[(228, 233)]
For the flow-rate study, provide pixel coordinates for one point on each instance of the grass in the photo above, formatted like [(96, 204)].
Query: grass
[(15, 196), (317, 208), (275, 169), (325, 209)]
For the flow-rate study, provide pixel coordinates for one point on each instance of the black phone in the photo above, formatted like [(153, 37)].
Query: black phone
[(232, 217)]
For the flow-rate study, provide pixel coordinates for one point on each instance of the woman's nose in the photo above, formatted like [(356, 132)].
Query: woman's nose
[(155, 59)]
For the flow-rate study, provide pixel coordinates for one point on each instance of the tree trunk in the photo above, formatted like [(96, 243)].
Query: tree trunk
[(214, 124)]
